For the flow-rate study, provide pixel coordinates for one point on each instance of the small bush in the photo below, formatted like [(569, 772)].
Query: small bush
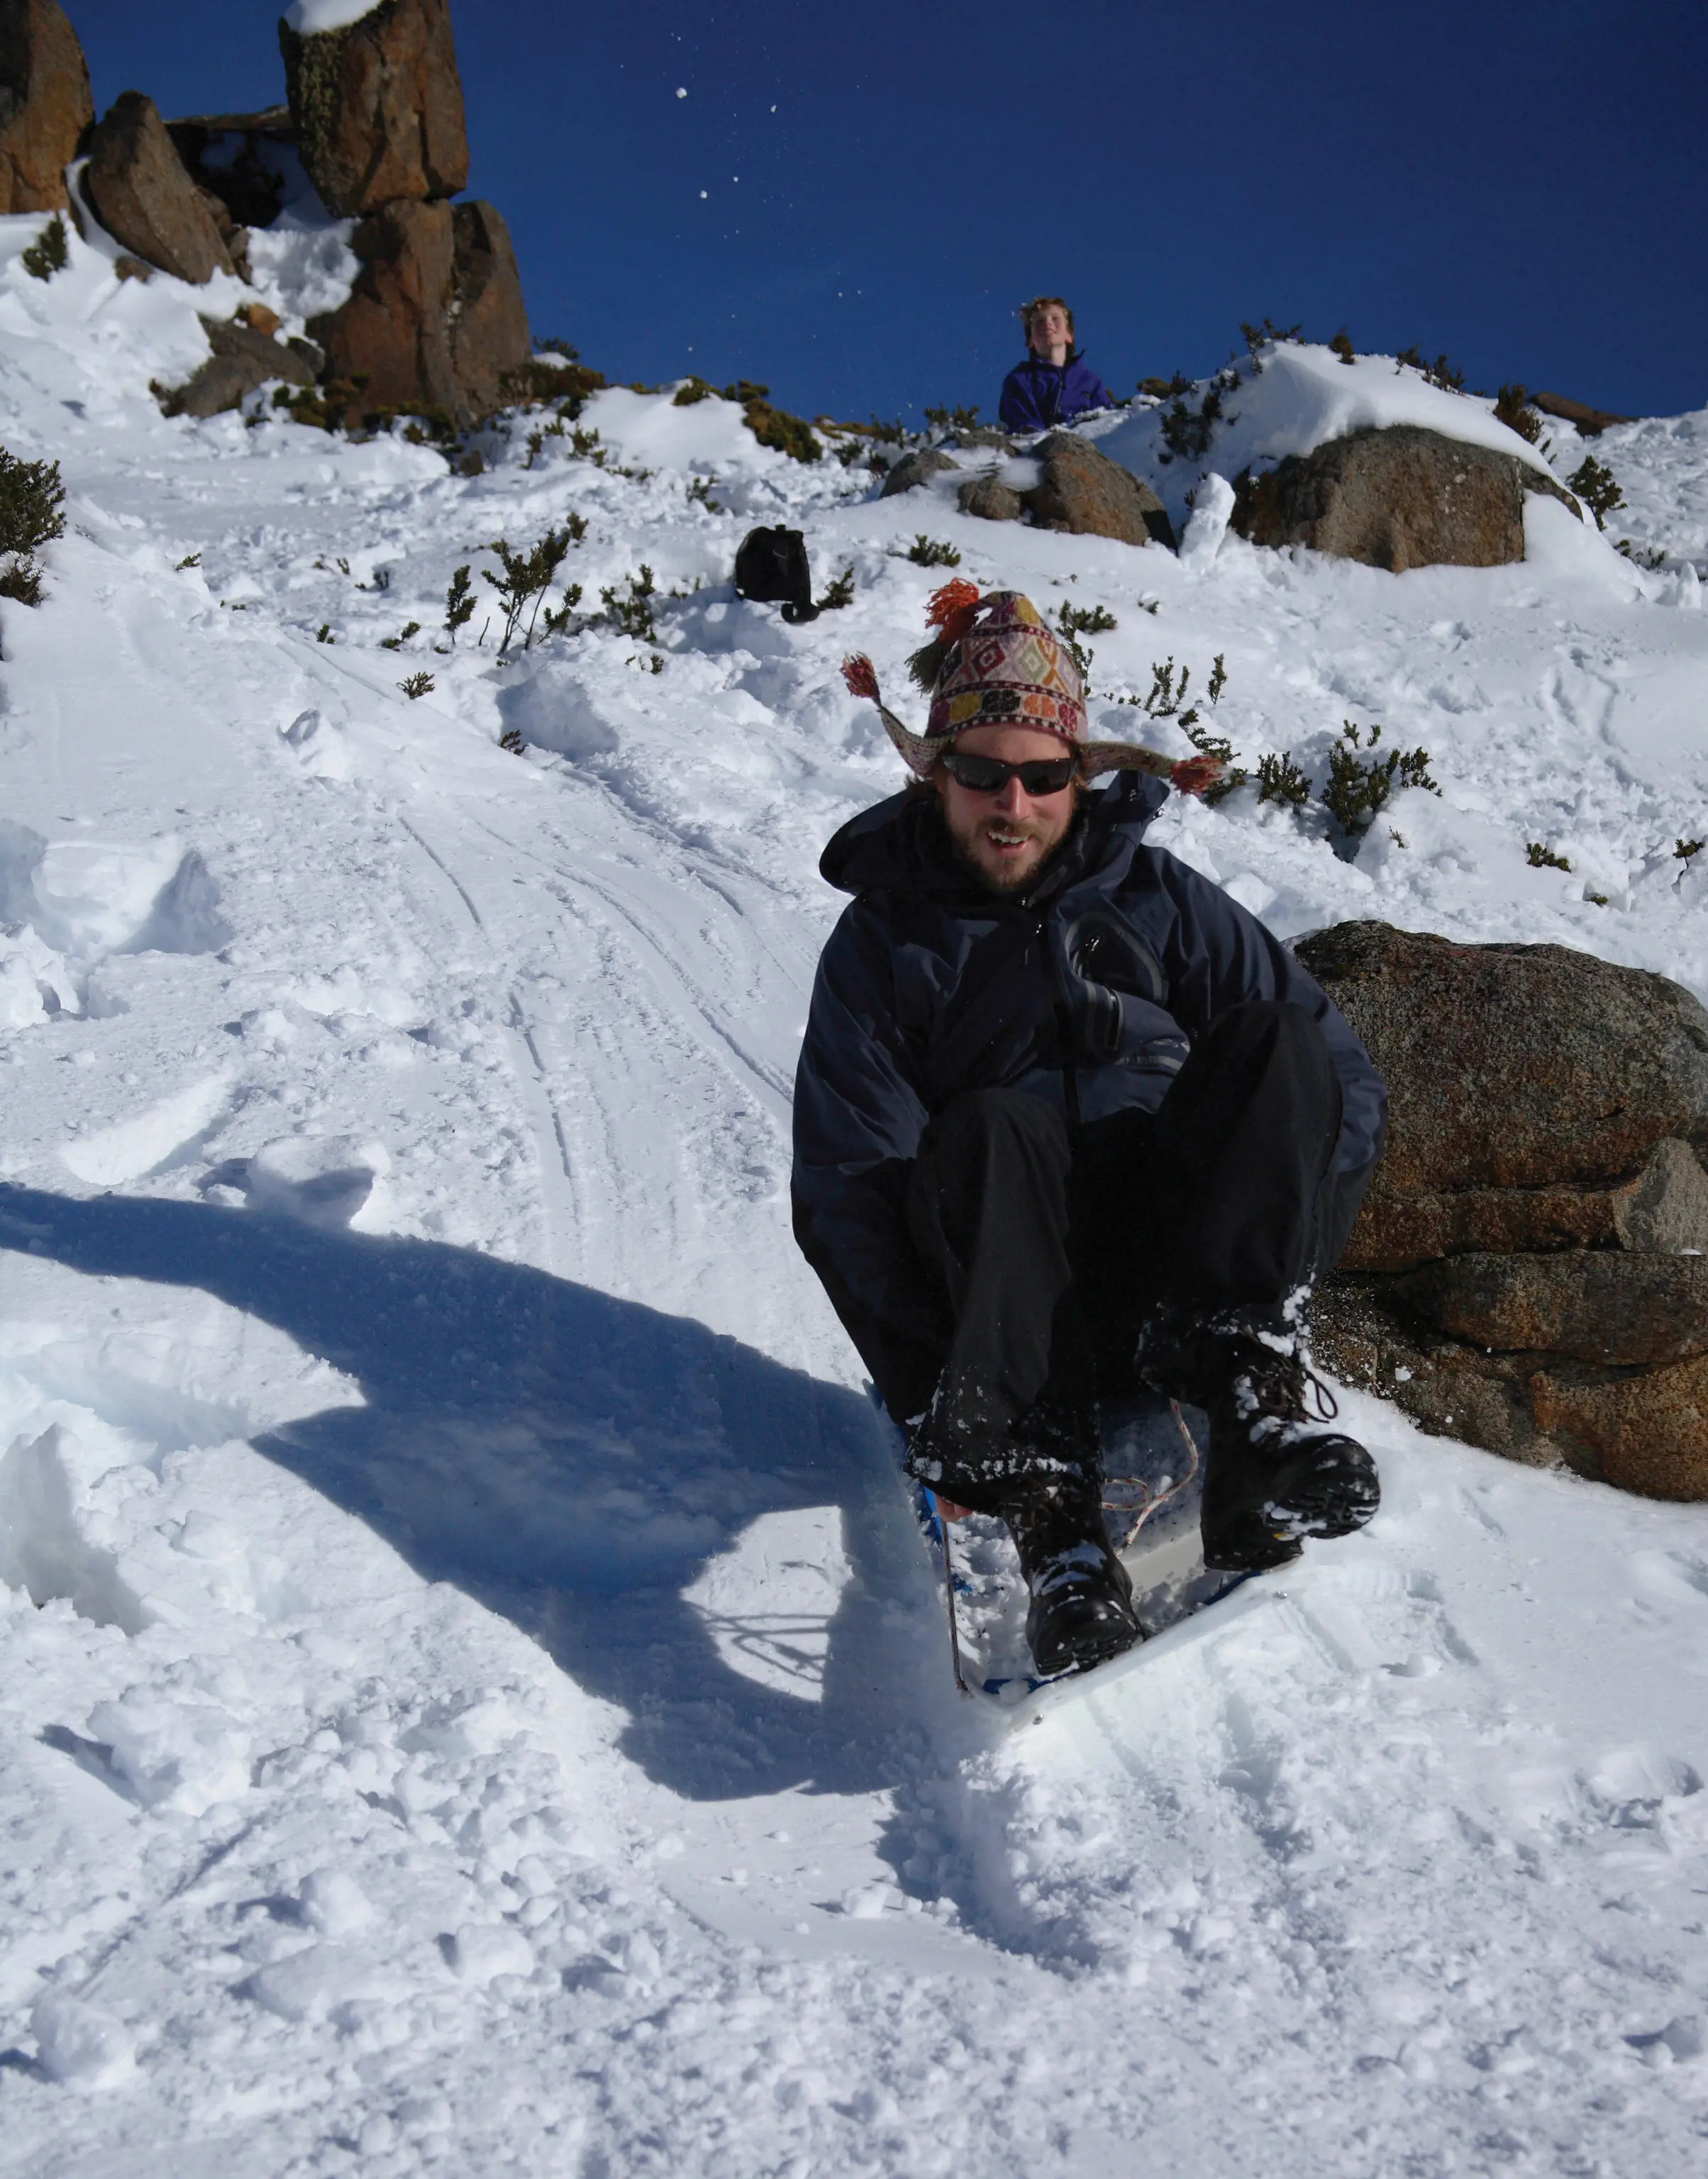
[(418, 684), (926, 553), (32, 504), (1439, 373), (1357, 790), (1085, 620), (1263, 336), (1650, 556), (1684, 850), (397, 642), (1510, 409), (32, 514), (323, 634), (632, 615), (48, 254), (511, 740), (1218, 676), (954, 420), (536, 382), (20, 580), (1279, 779), (700, 495), (1342, 346), (527, 577), (1598, 488), (1187, 431), (840, 592), (460, 603), (1541, 858), (775, 427)]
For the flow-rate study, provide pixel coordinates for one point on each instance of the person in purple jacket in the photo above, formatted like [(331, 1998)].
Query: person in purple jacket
[(1055, 383)]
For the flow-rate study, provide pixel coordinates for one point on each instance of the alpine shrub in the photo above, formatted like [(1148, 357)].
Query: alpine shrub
[(1357, 790), (1542, 858), (1598, 488), (633, 614), (954, 420), (460, 603), (418, 684), (926, 552), (48, 254), (839, 592), (528, 576), (1511, 410), (1279, 779), (32, 513), (1342, 346)]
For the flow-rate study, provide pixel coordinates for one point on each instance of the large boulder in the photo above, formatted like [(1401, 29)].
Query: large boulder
[(1528, 1272), (989, 498), (913, 469), (1082, 491), (1590, 422), (490, 339), (1663, 1208), (1588, 1304), (393, 336), (1397, 497), (1515, 1066), (141, 191), (436, 319), (244, 358), (45, 104), (378, 107)]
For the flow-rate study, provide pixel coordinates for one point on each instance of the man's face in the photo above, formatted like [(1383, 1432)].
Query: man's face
[(1007, 838), (1050, 330)]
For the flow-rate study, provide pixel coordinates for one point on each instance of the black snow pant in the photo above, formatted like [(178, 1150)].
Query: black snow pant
[(1054, 1249)]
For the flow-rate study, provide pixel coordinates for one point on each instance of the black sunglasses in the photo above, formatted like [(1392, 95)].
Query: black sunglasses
[(989, 774)]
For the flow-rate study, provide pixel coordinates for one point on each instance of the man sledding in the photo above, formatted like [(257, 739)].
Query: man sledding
[(1069, 1119)]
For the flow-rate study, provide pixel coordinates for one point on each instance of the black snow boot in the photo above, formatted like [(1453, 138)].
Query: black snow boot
[(1081, 1612), (1274, 1475)]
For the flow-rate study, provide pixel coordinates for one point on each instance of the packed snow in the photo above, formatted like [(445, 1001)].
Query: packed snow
[(474, 1696)]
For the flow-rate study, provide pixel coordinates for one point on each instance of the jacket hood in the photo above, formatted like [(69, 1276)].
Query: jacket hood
[(899, 845)]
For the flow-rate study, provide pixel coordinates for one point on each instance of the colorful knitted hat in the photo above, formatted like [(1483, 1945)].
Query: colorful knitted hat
[(994, 663)]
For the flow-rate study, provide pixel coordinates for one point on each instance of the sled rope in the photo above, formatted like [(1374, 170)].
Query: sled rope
[(1155, 1505)]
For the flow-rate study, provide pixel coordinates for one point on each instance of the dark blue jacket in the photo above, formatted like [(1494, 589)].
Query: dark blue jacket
[(1088, 989), (1037, 395)]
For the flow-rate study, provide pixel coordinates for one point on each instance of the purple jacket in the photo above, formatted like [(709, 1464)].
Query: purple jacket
[(1038, 395)]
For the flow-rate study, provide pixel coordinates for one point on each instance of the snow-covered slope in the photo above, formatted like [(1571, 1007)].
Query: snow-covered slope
[(472, 1696)]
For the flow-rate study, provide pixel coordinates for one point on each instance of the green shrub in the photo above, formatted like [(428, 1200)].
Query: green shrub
[(841, 592), (1357, 790), (1085, 620), (460, 603), (1279, 779), (1598, 488), (32, 514), (954, 420), (527, 577), (1342, 346), (926, 552), (1541, 858), (1510, 409), (48, 254), (418, 684), (632, 615), (397, 642)]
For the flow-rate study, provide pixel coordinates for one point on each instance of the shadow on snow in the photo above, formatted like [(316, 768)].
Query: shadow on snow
[(567, 1459)]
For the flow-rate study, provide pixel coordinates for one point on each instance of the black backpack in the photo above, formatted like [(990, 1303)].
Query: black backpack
[(771, 568)]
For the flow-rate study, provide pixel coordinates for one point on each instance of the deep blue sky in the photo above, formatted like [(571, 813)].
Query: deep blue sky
[(1519, 184)]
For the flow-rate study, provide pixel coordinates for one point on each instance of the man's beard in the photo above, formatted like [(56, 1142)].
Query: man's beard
[(1004, 883)]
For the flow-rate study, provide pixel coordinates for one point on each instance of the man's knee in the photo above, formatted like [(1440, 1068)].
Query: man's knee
[(995, 1116)]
